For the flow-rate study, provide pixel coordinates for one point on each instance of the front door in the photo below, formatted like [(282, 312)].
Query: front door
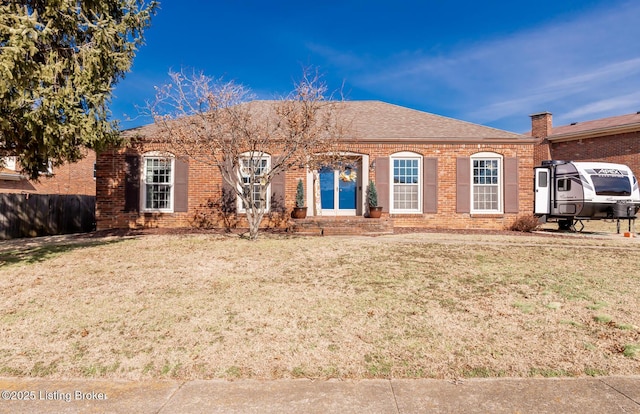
[(338, 191)]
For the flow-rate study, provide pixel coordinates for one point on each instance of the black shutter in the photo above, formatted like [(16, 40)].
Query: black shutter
[(132, 183)]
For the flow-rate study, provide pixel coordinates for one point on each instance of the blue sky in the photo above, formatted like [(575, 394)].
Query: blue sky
[(493, 62)]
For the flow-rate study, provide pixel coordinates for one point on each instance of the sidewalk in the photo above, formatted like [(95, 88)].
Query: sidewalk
[(571, 395)]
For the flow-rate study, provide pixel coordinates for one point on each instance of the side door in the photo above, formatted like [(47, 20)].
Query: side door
[(542, 191)]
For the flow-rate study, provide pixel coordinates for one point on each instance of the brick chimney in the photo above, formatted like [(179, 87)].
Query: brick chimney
[(541, 124), (541, 128)]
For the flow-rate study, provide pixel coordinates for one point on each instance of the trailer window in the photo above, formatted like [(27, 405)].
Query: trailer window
[(611, 185), (542, 179), (564, 184)]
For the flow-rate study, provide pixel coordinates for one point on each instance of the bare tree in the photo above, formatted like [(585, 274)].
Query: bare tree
[(218, 123)]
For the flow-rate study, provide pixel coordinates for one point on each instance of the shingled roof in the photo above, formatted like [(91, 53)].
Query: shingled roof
[(380, 121), (598, 127), (376, 121)]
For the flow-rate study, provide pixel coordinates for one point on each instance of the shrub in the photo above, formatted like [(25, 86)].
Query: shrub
[(526, 223), (300, 194), (372, 195)]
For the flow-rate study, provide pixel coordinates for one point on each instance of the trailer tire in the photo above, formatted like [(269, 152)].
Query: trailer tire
[(565, 224)]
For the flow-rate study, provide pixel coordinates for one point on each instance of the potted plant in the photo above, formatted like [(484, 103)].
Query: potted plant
[(375, 211), (299, 211)]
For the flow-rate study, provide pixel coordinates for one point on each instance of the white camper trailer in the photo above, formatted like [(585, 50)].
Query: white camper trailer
[(567, 192)]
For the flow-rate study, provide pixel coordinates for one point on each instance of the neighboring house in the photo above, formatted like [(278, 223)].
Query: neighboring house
[(430, 171), (61, 201), (615, 139), (67, 179)]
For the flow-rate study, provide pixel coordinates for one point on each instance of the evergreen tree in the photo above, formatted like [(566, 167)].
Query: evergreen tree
[(59, 62)]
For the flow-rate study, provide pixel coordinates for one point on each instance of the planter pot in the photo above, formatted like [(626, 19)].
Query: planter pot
[(375, 212), (299, 212)]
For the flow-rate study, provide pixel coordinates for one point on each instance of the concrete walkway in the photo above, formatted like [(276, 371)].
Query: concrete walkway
[(581, 395)]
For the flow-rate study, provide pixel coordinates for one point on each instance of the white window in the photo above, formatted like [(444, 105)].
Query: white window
[(10, 163), (253, 171), (157, 177), (406, 182), (486, 183)]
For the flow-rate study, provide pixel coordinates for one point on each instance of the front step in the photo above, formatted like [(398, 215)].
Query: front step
[(341, 226)]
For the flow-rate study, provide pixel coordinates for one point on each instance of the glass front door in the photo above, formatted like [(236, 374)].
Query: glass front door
[(338, 191)]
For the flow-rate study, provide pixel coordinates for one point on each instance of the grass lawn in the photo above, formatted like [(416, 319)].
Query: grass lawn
[(418, 305)]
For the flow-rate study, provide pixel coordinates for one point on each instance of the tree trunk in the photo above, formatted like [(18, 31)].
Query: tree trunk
[(254, 218)]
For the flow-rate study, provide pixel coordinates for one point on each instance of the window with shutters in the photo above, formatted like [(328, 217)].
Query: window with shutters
[(253, 178), (157, 182), (406, 182), (486, 183)]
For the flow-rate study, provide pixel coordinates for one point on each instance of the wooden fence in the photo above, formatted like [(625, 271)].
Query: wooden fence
[(31, 215)]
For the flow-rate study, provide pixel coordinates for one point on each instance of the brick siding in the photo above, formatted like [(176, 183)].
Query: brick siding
[(618, 148), (205, 188)]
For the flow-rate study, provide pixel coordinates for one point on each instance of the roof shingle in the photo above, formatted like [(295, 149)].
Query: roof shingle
[(597, 124), (377, 121)]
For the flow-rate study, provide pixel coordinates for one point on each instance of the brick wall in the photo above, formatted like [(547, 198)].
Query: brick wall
[(205, 187), (619, 148), (616, 148), (74, 178)]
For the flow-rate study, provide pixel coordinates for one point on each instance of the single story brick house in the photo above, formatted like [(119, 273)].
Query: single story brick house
[(614, 139), (430, 171)]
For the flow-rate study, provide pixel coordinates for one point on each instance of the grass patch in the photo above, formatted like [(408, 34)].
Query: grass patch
[(99, 370), (299, 372), (549, 373), (524, 307), (631, 350), (554, 305), (572, 323), (602, 318), (377, 366), (595, 372), (403, 306), (597, 306), (42, 369), (481, 372)]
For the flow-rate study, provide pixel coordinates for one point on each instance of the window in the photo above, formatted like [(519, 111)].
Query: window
[(564, 184), (542, 179), (486, 183), (612, 185), (253, 171), (157, 191), (10, 163), (406, 182)]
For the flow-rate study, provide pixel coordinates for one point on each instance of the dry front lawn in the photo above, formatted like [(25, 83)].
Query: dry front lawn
[(403, 306)]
